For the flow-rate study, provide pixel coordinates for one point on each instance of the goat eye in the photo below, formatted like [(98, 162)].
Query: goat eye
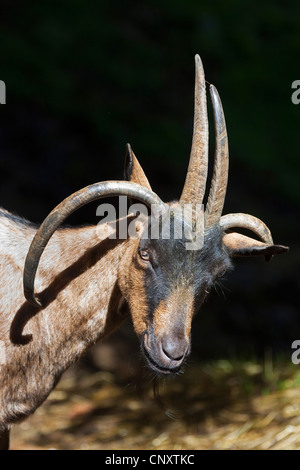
[(145, 255)]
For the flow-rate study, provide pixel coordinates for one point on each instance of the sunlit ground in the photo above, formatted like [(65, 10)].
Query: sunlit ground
[(217, 405)]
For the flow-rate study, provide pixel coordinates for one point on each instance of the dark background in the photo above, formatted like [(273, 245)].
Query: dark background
[(85, 77)]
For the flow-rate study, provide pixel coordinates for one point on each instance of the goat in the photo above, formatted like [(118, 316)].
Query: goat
[(89, 282)]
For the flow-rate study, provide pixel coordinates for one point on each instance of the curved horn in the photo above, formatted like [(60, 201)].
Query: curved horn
[(195, 182), (67, 207), (218, 187), (249, 222)]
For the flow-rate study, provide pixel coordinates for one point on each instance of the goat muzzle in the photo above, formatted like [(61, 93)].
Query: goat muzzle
[(167, 354)]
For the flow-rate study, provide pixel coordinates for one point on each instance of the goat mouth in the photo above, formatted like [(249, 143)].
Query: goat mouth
[(157, 367)]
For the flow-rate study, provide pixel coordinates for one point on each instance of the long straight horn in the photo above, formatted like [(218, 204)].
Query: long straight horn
[(194, 186), (217, 192)]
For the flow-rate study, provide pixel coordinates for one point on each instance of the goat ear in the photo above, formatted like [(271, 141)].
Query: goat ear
[(240, 245), (133, 171)]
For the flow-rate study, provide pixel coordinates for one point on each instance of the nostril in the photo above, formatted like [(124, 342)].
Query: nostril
[(174, 348)]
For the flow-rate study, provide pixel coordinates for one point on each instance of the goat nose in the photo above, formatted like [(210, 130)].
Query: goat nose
[(175, 347)]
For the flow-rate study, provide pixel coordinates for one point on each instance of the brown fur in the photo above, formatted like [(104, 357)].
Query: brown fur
[(77, 282), (175, 313), (88, 283), (130, 278)]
